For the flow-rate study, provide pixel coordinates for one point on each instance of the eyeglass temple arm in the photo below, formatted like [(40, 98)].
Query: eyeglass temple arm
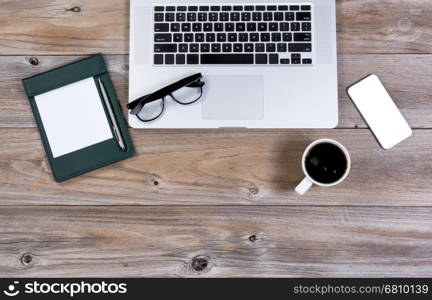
[(138, 104)]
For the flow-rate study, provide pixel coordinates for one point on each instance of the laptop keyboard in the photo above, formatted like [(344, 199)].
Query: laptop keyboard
[(233, 34)]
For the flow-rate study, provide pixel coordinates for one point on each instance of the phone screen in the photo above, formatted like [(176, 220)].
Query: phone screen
[(379, 111)]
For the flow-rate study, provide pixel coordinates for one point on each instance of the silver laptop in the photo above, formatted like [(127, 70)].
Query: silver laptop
[(269, 64)]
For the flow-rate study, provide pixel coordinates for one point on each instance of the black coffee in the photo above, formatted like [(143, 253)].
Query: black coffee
[(326, 163)]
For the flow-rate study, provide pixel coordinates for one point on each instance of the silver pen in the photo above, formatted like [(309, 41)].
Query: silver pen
[(116, 128)]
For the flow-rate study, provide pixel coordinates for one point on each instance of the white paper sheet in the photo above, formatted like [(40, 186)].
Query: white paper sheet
[(73, 117)]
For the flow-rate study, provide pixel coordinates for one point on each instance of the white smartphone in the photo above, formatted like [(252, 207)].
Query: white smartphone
[(379, 111)]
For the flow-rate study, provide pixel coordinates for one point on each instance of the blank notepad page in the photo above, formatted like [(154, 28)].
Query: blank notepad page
[(73, 117)]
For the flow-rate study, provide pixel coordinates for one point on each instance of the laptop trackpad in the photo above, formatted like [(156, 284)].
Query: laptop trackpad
[(233, 97)]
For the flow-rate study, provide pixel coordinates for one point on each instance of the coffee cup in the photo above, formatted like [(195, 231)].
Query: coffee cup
[(325, 163)]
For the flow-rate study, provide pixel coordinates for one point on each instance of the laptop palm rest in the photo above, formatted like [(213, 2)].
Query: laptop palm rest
[(245, 100)]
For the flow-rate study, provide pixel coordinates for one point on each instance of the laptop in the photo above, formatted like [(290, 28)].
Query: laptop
[(269, 64)]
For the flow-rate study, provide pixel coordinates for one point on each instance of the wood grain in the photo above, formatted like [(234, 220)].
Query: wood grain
[(235, 241), (221, 167), (396, 71), (47, 27)]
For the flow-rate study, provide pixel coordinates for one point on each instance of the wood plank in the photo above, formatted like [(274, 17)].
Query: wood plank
[(407, 77), (221, 167), (235, 241), (46, 27)]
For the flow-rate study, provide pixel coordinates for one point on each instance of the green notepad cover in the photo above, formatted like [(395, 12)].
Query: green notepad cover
[(93, 157)]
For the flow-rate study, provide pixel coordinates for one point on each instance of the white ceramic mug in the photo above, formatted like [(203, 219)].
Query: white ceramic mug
[(308, 181)]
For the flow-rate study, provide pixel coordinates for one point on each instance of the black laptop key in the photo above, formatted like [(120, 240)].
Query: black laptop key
[(305, 7), (235, 16), (295, 26), (262, 26), (261, 59), (159, 17), (175, 27), (226, 47), (295, 56), (224, 17), (194, 48), (197, 27), (259, 47), (161, 27), (202, 17), (238, 47), (218, 27), (254, 37), (188, 37), (159, 8), (307, 61), (208, 27), (249, 47), (193, 8), (251, 26), (260, 7), (186, 27), (178, 37), (192, 59), (215, 8), (302, 37), (270, 47), (165, 48), (243, 37), (285, 61), (300, 47), (232, 37), (306, 26), (287, 37), (204, 8), (162, 38), (213, 17), (240, 26), (169, 59), (158, 59), (229, 26), (282, 47), (191, 17), (268, 16), (249, 8), (218, 59), (303, 16), (205, 47), (210, 37), (265, 37), (181, 8), (284, 26), (170, 8), (169, 17), (274, 59), (257, 16), (226, 8), (273, 27), (180, 17), (283, 7), (199, 37), (221, 37), (294, 7), (276, 37), (289, 16), (183, 48), (216, 48), (272, 7), (278, 16), (246, 16)]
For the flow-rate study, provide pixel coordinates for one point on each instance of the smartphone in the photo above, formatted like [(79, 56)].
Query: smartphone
[(379, 111)]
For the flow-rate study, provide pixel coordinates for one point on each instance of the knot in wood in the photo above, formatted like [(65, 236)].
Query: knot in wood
[(75, 9), (34, 61), (27, 259), (199, 263), (253, 190)]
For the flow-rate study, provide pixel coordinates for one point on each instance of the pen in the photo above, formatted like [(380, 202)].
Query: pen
[(112, 117)]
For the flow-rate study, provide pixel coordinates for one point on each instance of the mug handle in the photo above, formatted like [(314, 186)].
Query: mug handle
[(304, 186)]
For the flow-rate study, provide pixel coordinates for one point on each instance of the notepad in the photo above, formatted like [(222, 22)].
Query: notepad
[(73, 117)]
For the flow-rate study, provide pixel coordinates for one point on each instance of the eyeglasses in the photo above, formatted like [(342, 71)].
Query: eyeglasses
[(185, 92)]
